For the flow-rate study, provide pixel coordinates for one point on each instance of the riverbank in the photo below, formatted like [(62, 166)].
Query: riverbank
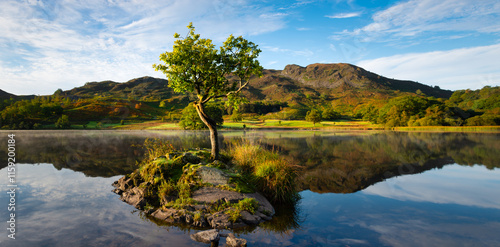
[(304, 125)]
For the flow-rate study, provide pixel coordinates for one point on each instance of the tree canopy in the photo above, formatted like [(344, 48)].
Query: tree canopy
[(196, 66)]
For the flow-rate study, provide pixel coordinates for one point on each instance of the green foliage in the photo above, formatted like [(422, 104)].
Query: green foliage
[(195, 66), (313, 116), (247, 204), (236, 117), (63, 122), (330, 114), (483, 120), (191, 120)]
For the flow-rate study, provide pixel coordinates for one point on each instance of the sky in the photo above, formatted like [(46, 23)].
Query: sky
[(47, 45)]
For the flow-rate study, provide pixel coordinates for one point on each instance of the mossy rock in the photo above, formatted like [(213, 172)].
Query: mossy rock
[(170, 187)]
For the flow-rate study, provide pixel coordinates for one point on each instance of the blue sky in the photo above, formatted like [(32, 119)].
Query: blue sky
[(46, 45)]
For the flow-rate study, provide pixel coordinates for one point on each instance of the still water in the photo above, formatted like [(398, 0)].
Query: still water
[(357, 188)]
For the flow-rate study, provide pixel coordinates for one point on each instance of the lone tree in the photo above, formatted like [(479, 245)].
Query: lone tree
[(195, 65), (313, 116)]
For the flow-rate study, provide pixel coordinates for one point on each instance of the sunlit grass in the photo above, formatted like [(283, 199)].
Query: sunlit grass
[(275, 123), (272, 174)]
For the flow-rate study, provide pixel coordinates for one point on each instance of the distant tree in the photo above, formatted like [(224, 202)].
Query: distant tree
[(236, 116), (330, 114), (313, 116), (63, 122), (191, 120), (196, 66)]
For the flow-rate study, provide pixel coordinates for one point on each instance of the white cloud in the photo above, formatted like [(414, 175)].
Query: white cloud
[(64, 44), (344, 15), (414, 17), (465, 68)]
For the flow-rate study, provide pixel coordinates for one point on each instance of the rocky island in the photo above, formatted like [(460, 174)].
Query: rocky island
[(186, 188)]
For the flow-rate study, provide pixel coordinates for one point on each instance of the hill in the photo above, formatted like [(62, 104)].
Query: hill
[(315, 79), (139, 88), (5, 95)]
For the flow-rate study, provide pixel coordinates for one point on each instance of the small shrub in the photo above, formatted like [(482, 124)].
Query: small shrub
[(234, 214), (248, 204)]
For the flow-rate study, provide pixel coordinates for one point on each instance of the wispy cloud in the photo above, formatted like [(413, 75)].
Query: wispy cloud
[(63, 44), (344, 15), (304, 52), (414, 17), (456, 69)]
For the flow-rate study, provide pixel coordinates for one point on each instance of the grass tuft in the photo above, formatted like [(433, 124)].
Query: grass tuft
[(271, 173)]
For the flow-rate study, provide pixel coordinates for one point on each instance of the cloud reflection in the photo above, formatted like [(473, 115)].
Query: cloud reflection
[(468, 186)]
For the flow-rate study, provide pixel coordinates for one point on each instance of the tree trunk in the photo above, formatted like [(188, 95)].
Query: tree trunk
[(212, 126)]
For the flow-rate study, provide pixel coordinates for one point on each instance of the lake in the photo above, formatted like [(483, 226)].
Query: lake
[(358, 189)]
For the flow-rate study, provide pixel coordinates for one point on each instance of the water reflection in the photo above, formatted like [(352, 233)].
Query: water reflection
[(329, 161), (455, 201), (346, 164), (64, 208), (468, 186)]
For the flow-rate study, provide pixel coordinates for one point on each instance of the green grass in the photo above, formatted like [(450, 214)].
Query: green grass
[(165, 126), (450, 128), (270, 172), (299, 124)]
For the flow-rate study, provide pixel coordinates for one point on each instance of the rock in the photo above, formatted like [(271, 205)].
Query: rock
[(206, 237), (249, 218), (232, 241), (263, 216), (135, 197), (212, 195), (265, 206), (212, 175), (164, 214), (219, 221), (118, 191), (199, 207), (188, 157), (123, 183), (189, 219)]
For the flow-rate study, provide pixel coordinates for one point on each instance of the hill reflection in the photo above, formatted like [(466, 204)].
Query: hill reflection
[(329, 162)]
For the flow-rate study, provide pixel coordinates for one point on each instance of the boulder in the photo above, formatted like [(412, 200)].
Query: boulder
[(212, 175), (232, 241), (212, 195), (207, 237), (188, 157), (249, 218)]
